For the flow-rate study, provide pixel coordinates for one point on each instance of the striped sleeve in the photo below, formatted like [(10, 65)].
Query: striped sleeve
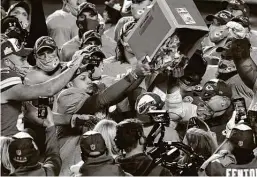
[(9, 79)]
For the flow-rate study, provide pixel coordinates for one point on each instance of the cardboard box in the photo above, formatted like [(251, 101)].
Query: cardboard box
[(167, 17)]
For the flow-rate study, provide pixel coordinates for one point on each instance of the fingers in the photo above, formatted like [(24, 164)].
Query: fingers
[(178, 72)]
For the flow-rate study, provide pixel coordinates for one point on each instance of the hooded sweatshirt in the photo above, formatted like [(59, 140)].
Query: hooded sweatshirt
[(101, 166), (139, 164)]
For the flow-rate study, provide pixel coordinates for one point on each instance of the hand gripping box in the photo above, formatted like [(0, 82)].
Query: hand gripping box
[(167, 17)]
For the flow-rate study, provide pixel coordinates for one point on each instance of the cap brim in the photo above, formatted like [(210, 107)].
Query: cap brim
[(22, 135), (98, 40), (24, 52), (45, 47), (221, 49), (210, 17), (99, 54)]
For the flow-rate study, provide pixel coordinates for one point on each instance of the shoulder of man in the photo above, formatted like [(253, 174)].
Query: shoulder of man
[(9, 78), (71, 100), (218, 165)]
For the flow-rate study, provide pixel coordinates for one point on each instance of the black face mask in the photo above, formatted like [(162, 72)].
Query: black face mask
[(86, 25)]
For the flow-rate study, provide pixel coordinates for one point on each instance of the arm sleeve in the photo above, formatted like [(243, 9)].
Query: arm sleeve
[(53, 162), (109, 96), (71, 100)]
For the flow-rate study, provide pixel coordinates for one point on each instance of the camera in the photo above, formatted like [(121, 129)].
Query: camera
[(159, 116), (43, 103), (240, 108)]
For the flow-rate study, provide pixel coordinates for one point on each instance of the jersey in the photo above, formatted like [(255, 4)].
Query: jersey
[(10, 110)]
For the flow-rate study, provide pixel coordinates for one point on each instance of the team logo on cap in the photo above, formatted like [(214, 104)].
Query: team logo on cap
[(92, 147), (18, 152)]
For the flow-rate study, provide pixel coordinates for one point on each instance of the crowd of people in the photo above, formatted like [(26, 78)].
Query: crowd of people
[(76, 101)]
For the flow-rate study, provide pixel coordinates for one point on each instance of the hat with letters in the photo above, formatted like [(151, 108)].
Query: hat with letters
[(92, 144), (23, 150), (11, 46)]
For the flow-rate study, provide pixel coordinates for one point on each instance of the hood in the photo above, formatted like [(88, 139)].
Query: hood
[(135, 165), (101, 166)]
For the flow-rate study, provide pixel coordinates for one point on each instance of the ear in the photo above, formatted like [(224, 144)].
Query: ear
[(142, 140)]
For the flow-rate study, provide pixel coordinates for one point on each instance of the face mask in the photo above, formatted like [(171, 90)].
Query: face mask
[(204, 112), (49, 67)]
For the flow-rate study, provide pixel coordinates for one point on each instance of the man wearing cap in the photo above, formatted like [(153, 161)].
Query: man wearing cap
[(11, 27), (217, 35), (47, 61), (235, 156), (87, 19), (138, 7), (94, 155), (21, 10), (25, 156), (13, 91)]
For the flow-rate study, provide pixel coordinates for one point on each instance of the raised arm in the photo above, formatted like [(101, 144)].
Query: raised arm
[(22, 92), (116, 92), (246, 67)]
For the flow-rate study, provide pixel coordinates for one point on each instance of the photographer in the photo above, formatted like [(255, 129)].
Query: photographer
[(24, 153), (236, 155), (130, 138), (13, 92)]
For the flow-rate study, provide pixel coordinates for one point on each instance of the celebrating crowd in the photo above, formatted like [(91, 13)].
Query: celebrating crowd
[(77, 101)]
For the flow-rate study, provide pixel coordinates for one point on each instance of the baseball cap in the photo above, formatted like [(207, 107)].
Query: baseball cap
[(92, 144), (91, 35), (11, 46), (22, 4), (242, 136), (10, 21), (223, 17), (86, 6), (23, 150), (114, 5), (93, 54), (216, 87), (44, 42)]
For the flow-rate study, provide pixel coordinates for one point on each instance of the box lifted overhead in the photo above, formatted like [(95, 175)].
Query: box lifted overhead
[(164, 19)]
